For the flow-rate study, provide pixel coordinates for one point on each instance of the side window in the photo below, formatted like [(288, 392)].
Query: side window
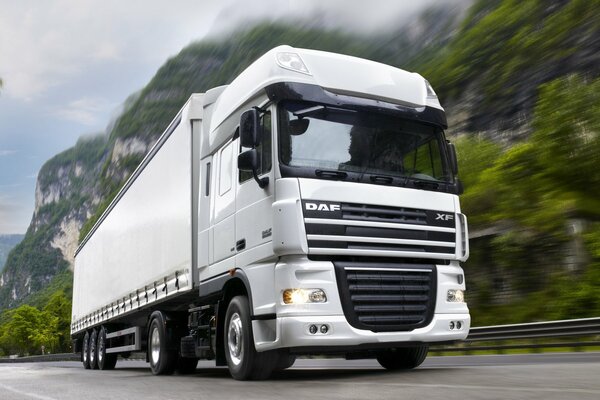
[(225, 169), (263, 149)]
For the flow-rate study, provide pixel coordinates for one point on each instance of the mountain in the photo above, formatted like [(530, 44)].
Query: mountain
[(520, 84), (7, 242)]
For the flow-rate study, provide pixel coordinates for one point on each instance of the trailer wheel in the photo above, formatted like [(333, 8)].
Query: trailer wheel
[(162, 358), (106, 361), (93, 349), (243, 360), (85, 351), (402, 358)]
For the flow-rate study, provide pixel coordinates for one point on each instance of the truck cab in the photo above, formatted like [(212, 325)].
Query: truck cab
[(335, 206)]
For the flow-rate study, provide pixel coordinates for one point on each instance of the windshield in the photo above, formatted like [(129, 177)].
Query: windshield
[(326, 138)]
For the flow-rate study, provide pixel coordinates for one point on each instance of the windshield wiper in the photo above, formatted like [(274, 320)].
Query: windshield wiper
[(386, 180), (331, 174), (419, 184)]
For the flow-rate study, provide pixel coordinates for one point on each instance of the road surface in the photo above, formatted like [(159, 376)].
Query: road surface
[(535, 376)]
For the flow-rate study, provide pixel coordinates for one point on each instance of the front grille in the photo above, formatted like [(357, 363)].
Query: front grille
[(375, 230), (363, 212), (386, 296)]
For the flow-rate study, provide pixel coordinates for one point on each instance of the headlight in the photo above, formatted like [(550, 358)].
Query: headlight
[(455, 296), (303, 296)]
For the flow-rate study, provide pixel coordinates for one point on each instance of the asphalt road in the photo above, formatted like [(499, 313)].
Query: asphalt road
[(536, 376)]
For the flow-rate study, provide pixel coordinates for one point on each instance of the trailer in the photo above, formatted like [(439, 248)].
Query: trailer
[(309, 207)]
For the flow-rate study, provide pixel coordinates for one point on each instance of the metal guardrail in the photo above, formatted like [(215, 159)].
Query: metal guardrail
[(535, 331), (570, 328)]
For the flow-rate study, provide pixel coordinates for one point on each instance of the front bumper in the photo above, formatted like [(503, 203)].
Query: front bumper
[(292, 327)]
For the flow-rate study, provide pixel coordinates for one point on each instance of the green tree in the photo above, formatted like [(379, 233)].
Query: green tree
[(59, 306), (28, 329)]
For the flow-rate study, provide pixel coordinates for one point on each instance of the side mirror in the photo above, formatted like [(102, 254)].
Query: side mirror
[(452, 158), (298, 126), (248, 161), (249, 128)]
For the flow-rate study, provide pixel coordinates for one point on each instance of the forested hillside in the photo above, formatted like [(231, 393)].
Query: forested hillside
[(7, 242), (520, 83)]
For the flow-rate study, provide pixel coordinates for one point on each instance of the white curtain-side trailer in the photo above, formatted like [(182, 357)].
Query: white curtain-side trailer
[(309, 207)]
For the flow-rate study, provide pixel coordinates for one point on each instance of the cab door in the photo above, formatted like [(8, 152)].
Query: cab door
[(254, 221), (223, 218)]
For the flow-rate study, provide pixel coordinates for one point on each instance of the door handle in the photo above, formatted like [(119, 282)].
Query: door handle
[(240, 244)]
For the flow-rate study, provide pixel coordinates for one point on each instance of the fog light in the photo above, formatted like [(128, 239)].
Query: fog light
[(324, 329), (458, 325), (312, 329), (455, 296), (451, 325), (303, 296)]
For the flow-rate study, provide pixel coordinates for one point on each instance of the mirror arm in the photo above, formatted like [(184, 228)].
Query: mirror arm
[(262, 182)]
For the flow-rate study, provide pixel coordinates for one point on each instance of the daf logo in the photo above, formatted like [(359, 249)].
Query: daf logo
[(322, 207), (444, 217)]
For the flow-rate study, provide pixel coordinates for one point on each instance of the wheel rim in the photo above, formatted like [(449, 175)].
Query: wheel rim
[(93, 349), (100, 348), (235, 339), (155, 346), (86, 345)]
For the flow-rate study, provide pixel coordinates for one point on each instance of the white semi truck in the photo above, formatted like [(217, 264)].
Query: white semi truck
[(309, 207)]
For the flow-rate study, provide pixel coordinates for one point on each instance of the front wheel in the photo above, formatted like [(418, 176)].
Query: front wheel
[(402, 358), (243, 360)]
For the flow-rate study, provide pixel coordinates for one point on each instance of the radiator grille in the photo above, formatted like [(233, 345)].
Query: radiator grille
[(387, 297), (361, 229)]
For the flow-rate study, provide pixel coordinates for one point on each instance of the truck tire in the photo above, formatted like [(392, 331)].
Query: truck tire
[(93, 349), (243, 360), (85, 351), (402, 358), (284, 361), (186, 366), (106, 361), (162, 358)]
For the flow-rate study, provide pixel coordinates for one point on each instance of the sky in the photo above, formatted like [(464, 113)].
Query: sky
[(68, 65)]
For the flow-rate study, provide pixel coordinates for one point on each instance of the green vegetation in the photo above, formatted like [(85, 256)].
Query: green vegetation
[(539, 188), (7, 242), (506, 49), (26, 329)]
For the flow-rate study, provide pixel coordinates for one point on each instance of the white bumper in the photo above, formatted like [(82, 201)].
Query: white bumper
[(292, 326)]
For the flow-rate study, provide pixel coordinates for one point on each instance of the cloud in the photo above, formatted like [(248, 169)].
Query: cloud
[(85, 110), (7, 152), (45, 44)]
